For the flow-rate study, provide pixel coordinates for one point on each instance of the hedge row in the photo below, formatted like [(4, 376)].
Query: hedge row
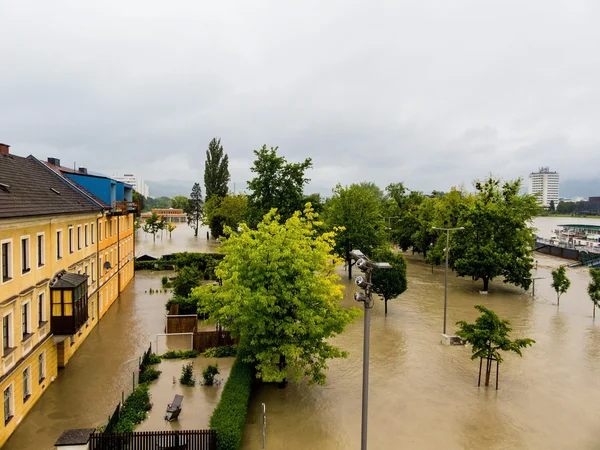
[(159, 264), (200, 261), (229, 417)]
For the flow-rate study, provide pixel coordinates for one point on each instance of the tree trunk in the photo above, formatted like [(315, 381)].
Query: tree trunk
[(486, 283), (488, 370), (558, 300), (154, 237), (196, 230), (385, 300), (282, 365), (349, 260), (594, 316)]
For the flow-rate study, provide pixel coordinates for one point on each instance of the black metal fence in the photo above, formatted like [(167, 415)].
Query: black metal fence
[(155, 440)]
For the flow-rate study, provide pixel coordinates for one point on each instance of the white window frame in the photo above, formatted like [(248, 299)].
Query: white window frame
[(71, 240), (42, 307), (59, 242), (25, 258), (11, 402), (11, 262), (86, 236), (27, 387), (100, 301), (93, 267), (92, 234), (26, 306), (99, 231), (11, 330), (42, 253), (41, 367), (79, 243), (93, 310)]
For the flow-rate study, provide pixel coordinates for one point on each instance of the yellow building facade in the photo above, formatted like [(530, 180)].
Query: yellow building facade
[(53, 248)]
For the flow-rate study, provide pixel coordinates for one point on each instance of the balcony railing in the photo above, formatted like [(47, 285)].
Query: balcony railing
[(125, 206)]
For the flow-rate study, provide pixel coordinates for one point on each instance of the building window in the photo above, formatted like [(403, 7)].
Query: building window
[(106, 224), (7, 267), (8, 407), (78, 237), (7, 337), (58, 244), (41, 309), (93, 272), (100, 301), (71, 243), (25, 266), (93, 309), (25, 316), (99, 231), (26, 384), (85, 235), (42, 367), (92, 236), (41, 250)]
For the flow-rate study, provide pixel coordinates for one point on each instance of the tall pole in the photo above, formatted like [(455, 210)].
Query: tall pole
[(446, 279), (365, 386)]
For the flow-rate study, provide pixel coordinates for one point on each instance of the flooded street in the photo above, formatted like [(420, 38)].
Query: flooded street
[(424, 395), (182, 240)]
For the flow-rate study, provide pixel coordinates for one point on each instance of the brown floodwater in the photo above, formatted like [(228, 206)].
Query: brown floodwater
[(424, 395)]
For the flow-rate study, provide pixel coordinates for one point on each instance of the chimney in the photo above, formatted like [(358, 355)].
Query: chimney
[(4, 149), (54, 161), (82, 170)]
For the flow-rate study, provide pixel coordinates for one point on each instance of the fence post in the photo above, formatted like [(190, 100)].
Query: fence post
[(122, 397), (133, 377)]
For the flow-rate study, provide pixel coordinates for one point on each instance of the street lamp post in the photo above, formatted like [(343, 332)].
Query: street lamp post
[(366, 266), (447, 230)]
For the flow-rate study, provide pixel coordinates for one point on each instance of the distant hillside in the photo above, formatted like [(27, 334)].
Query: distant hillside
[(170, 188), (580, 188)]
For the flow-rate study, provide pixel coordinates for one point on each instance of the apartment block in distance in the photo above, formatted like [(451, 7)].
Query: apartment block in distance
[(544, 185)]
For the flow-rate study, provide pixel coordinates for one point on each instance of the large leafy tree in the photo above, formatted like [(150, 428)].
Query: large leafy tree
[(187, 279), (181, 202), (280, 296), (195, 212), (154, 224), (560, 282), (389, 283), (216, 170), (228, 211), (489, 336), (277, 184), (594, 288), (497, 239), (355, 212)]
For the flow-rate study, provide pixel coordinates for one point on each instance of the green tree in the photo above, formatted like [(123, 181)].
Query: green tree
[(195, 213), (154, 224), (280, 296), (170, 228), (356, 209), (216, 170), (277, 184), (560, 282), (497, 239), (187, 279), (390, 283), (566, 207), (594, 288), (488, 336), (229, 211), (181, 202), (139, 199), (552, 207)]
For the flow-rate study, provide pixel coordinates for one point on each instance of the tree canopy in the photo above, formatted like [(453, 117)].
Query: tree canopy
[(594, 288), (187, 279), (497, 239), (154, 224), (560, 282), (216, 170), (181, 202), (488, 336), (195, 212), (277, 184), (389, 283), (228, 211), (280, 296), (355, 212)]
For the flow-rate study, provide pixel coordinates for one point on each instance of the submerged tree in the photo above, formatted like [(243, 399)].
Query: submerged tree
[(560, 282), (154, 224), (594, 288), (389, 283), (280, 296), (170, 228), (488, 336), (194, 215)]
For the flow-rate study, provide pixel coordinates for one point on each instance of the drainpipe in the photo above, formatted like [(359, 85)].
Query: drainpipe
[(119, 255)]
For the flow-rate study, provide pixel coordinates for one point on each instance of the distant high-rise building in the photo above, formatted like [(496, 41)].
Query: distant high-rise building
[(135, 181), (544, 184)]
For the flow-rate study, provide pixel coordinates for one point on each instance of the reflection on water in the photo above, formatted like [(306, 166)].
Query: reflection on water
[(424, 395)]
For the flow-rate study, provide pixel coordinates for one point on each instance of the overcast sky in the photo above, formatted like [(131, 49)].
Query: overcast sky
[(432, 93)]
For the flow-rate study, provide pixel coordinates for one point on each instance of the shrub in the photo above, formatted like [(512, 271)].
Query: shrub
[(207, 274), (159, 264), (149, 374), (186, 305), (180, 354), (187, 375), (187, 279), (165, 280), (134, 410), (209, 373), (153, 359), (220, 352), (229, 417)]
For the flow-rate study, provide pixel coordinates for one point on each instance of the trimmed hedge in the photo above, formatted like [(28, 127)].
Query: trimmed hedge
[(159, 264), (202, 262), (220, 352), (229, 417), (179, 354)]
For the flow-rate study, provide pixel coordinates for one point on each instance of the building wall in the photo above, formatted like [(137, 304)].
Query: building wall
[(546, 186)]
